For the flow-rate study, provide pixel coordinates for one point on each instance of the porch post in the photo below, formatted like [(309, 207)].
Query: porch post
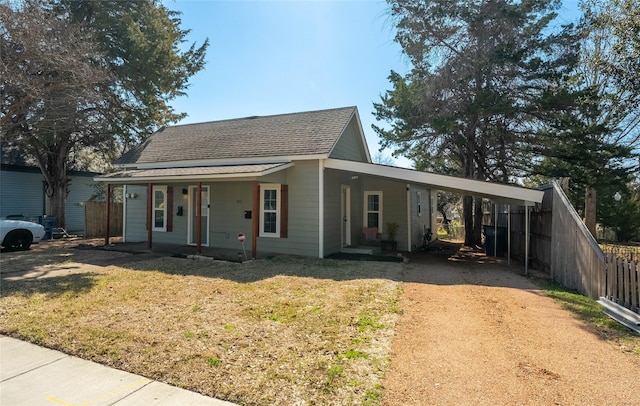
[(107, 228), (255, 219), (149, 216), (199, 218)]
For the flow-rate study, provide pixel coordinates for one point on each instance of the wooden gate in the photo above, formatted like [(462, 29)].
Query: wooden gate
[(95, 219)]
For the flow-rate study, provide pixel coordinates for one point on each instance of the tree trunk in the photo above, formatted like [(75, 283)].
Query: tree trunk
[(58, 198), (590, 210)]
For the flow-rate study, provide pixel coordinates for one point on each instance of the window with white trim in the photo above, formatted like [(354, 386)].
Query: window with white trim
[(373, 209), (419, 199), (159, 215), (270, 197)]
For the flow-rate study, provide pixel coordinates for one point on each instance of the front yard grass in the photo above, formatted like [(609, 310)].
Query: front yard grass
[(278, 331), (596, 319)]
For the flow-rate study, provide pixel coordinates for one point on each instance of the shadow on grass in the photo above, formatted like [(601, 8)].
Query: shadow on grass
[(52, 287)]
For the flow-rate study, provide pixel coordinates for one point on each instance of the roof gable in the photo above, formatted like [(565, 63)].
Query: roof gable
[(296, 134)]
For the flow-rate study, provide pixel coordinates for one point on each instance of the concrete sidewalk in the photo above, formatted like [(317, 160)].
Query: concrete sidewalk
[(32, 375)]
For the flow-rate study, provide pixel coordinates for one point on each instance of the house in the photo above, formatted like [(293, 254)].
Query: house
[(300, 183), (23, 190)]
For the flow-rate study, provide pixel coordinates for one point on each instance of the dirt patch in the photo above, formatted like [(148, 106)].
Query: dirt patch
[(483, 334)]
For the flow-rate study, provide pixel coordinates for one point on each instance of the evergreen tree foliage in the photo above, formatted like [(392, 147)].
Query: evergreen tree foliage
[(469, 103)]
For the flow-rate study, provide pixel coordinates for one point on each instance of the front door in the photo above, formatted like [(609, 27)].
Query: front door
[(193, 216), (345, 213)]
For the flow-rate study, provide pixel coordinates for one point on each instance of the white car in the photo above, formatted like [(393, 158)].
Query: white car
[(19, 235)]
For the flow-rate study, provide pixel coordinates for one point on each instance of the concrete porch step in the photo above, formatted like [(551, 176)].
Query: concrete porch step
[(367, 250)]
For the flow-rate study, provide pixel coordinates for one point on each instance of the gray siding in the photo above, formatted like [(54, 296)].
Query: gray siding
[(302, 179), (394, 206), (350, 145), (229, 201), (82, 188), (21, 193), (135, 216)]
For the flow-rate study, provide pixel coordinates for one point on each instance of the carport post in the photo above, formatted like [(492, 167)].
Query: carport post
[(108, 231), (509, 234), (526, 240), (495, 230)]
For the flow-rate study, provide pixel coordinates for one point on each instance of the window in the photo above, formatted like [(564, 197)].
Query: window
[(419, 199), (373, 210), (270, 210), (159, 215)]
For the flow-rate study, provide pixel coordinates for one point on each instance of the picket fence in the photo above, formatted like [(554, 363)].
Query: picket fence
[(622, 283)]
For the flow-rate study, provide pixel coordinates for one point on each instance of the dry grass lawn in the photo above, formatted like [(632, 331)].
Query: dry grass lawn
[(278, 331)]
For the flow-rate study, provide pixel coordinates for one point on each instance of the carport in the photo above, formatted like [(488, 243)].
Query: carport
[(498, 193)]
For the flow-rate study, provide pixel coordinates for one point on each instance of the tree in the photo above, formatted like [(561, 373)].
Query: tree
[(478, 67), (88, 75), (51, 91), (592, 128)]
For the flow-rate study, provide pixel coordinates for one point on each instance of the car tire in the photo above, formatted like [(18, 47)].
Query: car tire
[(17, 240)]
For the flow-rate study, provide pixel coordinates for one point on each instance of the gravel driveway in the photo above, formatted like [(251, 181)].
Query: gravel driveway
[(482, 334)]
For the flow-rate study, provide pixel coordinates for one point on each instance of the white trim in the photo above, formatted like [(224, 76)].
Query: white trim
[(321, 208), (222, 162), (154, 209), (495, 191), (278, 188), (365, 212)]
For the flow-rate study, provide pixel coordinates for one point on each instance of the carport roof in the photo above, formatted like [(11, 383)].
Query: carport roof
[(497, 192)]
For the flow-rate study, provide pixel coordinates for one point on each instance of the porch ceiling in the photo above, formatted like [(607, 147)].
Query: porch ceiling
[(192, 173), (500, 193)]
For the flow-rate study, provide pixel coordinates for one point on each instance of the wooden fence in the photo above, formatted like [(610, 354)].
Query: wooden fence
[(95, 219), (622, 284), (577, 262), (561, 245), (540, 243)]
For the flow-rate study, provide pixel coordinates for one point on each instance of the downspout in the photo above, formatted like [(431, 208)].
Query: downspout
[(320, 208)]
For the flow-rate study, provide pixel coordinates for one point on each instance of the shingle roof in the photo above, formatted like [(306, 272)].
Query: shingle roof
[(307, 133)]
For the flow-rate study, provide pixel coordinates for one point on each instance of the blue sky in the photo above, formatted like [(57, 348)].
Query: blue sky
[(273, 57)]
